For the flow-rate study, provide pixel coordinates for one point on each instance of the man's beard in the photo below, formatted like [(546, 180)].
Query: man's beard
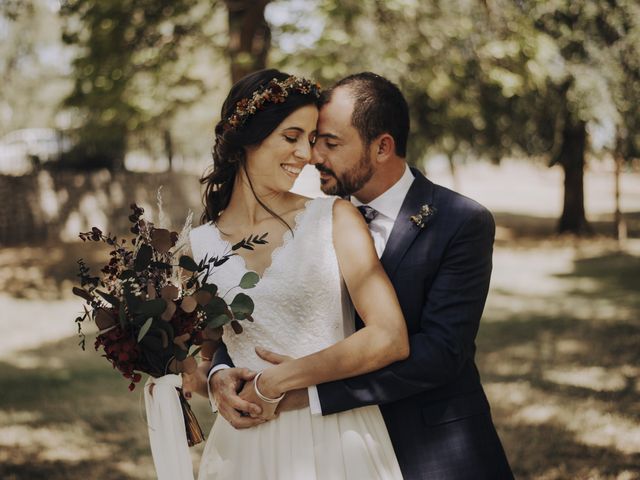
[(350, 181)]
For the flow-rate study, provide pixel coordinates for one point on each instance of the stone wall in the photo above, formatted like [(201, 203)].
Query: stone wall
[(51, 206)]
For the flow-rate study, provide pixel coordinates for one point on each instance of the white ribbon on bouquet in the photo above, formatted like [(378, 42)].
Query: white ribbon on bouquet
[(167, 432)]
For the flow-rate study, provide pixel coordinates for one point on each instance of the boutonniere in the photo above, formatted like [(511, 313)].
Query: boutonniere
[(424, 214)]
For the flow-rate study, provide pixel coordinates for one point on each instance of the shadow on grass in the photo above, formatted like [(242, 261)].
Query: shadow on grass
[(529, 227), (617, 276), (77, 420), (539, 343), (48, 271), (565, 390), (549, 452)]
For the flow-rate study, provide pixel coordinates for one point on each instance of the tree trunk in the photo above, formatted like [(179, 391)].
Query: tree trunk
[(249, 36), (168, 147), (454, 172), (620, 227), (572, 159)]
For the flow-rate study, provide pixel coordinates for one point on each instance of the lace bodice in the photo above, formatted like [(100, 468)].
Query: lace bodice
[(301, 302)]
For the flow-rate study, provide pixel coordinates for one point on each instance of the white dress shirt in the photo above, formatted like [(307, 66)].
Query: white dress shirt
[(388, 207)]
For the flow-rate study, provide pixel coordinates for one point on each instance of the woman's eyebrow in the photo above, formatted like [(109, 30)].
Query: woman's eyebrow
[(298, 129)]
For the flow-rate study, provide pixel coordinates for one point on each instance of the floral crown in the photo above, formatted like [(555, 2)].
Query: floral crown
[(274, 92)]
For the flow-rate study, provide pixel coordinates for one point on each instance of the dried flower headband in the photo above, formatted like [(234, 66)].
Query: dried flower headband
[(274, 92)]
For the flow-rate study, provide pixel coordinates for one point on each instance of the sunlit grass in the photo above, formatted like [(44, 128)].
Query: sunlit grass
[(72, 416), (557, 350)]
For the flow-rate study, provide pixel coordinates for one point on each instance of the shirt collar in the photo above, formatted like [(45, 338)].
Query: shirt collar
[(390, 201)]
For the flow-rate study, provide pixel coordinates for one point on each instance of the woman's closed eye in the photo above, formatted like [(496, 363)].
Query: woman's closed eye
[(291, 139)]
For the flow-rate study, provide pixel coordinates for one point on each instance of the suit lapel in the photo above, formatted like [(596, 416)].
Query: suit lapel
[(404, 231)]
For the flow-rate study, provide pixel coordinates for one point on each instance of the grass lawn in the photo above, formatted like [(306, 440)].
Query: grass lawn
[(558, 350)]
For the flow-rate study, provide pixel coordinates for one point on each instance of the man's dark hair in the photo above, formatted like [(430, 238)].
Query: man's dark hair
[(379, 107)]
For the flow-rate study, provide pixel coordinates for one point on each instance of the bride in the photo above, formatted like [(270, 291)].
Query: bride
[(318, 265)]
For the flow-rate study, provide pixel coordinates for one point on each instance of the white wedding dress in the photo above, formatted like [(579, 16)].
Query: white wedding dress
[(301, 306)]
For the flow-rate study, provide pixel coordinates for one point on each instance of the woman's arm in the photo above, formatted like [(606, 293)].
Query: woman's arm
[(442, 349), (381, 342)]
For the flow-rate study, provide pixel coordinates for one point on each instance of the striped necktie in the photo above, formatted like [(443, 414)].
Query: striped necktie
[(368, 213)]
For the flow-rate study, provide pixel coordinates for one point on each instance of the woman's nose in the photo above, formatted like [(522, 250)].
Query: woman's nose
[(303, 152)]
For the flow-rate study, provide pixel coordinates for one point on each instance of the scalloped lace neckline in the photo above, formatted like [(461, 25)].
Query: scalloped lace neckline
[(287, 237)]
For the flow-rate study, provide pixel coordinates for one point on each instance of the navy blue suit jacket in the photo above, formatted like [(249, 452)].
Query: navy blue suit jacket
[(433, 403)]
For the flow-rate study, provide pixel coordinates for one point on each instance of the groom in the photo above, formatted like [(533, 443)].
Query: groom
[(436, 246)]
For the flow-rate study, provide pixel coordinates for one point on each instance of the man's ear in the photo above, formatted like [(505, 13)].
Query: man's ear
[(386, 147)]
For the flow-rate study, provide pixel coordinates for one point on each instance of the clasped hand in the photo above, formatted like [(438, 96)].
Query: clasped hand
[(234, 393), (249, 394)]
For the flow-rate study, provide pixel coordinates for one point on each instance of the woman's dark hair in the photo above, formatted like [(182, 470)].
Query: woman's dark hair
[(229, 155)]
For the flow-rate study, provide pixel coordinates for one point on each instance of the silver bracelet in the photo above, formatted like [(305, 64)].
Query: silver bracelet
[(259, 393)]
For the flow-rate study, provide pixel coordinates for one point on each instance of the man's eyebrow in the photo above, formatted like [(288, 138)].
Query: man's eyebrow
[(328, 135)]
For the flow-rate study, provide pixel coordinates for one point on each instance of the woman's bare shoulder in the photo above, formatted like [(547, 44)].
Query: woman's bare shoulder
[(344, 212)]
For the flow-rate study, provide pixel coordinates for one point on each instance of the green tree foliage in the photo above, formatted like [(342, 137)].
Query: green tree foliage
[(499, 77), (138, 60), (32, 65), (133, 71), (596, 89)]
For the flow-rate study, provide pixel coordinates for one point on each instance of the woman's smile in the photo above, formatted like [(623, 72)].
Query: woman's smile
[(291, 169)]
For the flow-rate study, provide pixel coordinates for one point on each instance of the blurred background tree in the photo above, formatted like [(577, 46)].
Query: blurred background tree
[(555, 81), (498, 89), (32, 66), (136, 69), (249, 36), (591, 103), (133, 72), (499, 78)]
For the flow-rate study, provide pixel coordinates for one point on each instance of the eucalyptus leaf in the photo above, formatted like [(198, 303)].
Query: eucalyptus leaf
[(188, 263), (237, 328), (127, 274), (133, 302), (179, 353), (152, 308), (145, 328), (152, 342), (216, 306), (109, 298), (82, 293), (249, 280), (104, 319), (122, 316), (143, 258), (242, 306), (167, 328), (210, 287), (161, 239), (165, 338), (217, 321), (138, 320)]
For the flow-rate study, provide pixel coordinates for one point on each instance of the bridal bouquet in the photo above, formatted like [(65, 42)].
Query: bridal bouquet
[(156, 309)]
